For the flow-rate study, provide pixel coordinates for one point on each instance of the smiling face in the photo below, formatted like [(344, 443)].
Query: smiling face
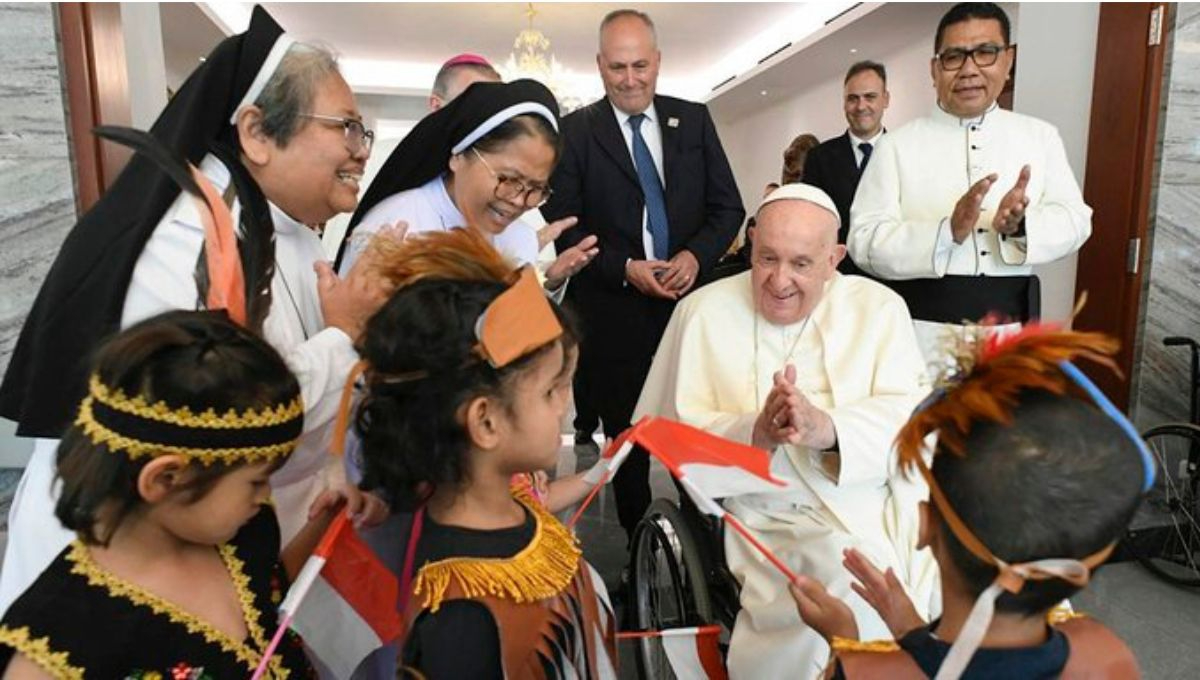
[(865, 97), (972, 89), (315, 175), (794, 252), (628, 63), (472, 185)]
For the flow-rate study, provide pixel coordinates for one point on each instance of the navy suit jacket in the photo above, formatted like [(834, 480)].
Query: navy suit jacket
[(595, 180), (831, 167)]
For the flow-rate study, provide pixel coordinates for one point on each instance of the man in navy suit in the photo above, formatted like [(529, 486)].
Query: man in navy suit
[(647, 175), (836, 165)]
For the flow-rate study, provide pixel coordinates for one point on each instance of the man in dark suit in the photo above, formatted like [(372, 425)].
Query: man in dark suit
[(648, 176), (836, 165)]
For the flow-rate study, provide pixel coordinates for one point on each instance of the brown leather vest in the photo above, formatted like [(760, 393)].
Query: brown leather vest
[(527, 630), (1096, 653)]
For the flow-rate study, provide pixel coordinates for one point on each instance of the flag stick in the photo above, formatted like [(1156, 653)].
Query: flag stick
[(642, 634), (749, 536), (262, 665), (588, 500)]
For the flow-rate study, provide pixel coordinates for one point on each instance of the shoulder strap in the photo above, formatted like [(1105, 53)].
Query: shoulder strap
[(1095, 652)]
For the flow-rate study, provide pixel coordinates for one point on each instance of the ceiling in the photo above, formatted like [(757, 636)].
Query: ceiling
[(395, 48)]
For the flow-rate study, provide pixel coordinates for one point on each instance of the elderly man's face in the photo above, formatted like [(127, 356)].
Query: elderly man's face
[(795, 251), (628, 62), (460, 80), (971, 90)]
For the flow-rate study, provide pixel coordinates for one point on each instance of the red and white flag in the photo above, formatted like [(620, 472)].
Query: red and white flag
[(692, 652), (349, 601)]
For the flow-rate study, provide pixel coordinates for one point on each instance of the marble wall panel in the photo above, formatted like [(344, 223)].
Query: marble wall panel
[(1173, 299), (37, 198)]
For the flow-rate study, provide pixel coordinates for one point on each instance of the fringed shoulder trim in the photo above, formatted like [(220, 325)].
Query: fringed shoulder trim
[(542, 569)]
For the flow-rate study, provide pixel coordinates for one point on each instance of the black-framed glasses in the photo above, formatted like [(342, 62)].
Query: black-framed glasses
[(358, 137), (952, 59), (515, 190)]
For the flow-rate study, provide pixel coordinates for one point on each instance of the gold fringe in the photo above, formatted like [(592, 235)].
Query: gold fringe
[(39, 652), (841, 644), (542, 569), (1061, 614)]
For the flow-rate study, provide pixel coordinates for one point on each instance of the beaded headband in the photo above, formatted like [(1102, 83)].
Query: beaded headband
[(130, 425)]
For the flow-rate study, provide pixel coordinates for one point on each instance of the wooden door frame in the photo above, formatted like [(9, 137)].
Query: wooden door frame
[(96, 90), (1122, 141)]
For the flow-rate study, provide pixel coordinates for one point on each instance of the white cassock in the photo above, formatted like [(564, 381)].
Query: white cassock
[(900, 219), (320, 357), (856, 359)]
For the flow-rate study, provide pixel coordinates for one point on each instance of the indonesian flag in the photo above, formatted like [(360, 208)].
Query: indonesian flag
[(349, 601), (692, 652), (709, 467)]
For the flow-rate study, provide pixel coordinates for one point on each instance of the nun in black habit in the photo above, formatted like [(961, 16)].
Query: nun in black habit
[(138, 252), (480, 161)]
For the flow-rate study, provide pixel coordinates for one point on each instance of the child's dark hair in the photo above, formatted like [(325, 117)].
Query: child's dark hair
[(423, 368), (1062, 480), (1030, 464), (420, 347), (198, 360)]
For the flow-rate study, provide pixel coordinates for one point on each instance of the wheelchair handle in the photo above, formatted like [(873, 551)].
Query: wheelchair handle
[(1175, 341)]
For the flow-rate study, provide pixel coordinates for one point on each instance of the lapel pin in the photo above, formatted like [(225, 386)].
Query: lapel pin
[(672, 122)]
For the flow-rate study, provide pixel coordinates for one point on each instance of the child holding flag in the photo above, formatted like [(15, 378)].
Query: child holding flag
[(467, 381), (1034, 478), (177, 569)]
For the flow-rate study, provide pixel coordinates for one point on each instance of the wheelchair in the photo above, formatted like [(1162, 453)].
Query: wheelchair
[(679, 578)]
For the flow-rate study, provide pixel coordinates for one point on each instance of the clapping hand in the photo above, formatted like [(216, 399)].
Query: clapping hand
[(966, 211), (884, 592), (570, 261), (824, 613), (788, 417), (1012, 207)]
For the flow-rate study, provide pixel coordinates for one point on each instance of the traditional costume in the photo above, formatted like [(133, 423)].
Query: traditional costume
[(522, 600), (990, 383), (80, 620), (900, 219), (135, 254), (411, 185), (856, 359)]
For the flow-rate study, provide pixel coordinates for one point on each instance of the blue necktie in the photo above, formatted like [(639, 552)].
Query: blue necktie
[(652, 189), (866, 148)]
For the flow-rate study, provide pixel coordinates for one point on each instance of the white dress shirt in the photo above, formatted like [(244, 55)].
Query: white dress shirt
[(855, 140)]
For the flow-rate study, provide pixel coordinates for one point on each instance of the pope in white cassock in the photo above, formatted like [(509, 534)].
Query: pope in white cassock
[(956, 208), (821, 369)]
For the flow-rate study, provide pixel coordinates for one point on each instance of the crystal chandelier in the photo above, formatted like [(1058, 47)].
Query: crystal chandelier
[(531, 58)]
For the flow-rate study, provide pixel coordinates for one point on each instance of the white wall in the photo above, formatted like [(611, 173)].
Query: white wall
[(755, 143), (1056, 62)]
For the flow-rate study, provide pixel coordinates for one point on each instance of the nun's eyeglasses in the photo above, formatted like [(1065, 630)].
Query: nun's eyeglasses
[(513, 189), (358, 138)]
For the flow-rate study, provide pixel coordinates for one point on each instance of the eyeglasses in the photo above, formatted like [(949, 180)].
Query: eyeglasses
[(513, 189), (985, 55), (358, 138)]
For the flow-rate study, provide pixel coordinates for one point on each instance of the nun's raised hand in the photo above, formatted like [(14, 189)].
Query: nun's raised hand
[(570, 261), (552, 231), (347, 302)]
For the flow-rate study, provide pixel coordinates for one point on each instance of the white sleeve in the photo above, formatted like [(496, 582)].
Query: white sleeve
[(881, 241), (1058, 222)]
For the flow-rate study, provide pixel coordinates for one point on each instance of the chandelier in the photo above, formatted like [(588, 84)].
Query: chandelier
[(531, 58)]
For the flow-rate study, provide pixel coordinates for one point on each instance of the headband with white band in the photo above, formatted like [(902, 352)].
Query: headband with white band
[(498, 119), (278, 50)]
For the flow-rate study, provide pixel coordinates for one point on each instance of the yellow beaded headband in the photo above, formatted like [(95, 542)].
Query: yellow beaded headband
[(126, 424)]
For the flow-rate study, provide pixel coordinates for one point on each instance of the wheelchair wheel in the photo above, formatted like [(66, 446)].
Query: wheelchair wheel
[(1165, 532), (667, 582)]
